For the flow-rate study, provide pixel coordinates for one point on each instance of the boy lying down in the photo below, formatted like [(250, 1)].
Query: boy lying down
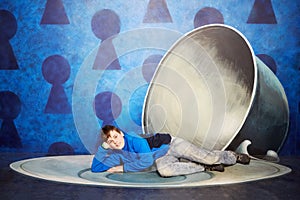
[(173, 156)]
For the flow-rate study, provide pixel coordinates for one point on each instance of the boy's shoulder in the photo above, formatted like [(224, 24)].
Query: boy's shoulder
[(132, 136)]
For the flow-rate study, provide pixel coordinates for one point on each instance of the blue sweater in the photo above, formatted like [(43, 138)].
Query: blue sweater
[(136, 155)]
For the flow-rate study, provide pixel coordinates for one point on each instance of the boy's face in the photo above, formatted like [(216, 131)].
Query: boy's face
[(115, 140)]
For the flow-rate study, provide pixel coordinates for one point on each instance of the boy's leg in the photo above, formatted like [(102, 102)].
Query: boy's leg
[(171, 166), (183, 149)]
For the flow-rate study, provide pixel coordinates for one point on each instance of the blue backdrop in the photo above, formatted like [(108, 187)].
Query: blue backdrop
[(68, 67)]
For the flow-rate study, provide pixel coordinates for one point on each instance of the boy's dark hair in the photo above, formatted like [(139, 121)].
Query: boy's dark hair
[(105, 134)]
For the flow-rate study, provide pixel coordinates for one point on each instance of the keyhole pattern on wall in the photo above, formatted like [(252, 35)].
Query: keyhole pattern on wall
[(54, 13), (269, 61), (56, 70), (10, 107), (105, 26), (208, 15), (157, 12), (262, 13), (135, 103), (107, 106), (60, 148), (150, 65), (8, 28)]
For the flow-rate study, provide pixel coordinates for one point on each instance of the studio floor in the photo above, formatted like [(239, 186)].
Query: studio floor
[(15, 185)]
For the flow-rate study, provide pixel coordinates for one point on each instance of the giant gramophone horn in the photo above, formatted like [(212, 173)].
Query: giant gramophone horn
[(211, 89)]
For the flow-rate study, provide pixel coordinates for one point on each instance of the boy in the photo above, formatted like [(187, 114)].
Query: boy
[(122, 152)]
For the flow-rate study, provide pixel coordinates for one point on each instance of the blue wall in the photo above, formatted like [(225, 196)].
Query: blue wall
[(63, 75)]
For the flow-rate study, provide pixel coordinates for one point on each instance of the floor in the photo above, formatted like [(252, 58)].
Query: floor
[(18, 186)]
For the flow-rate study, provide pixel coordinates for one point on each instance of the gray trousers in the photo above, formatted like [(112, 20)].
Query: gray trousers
[(171, 164)]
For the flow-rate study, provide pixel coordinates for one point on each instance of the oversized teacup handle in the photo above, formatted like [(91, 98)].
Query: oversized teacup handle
[(271, 155)]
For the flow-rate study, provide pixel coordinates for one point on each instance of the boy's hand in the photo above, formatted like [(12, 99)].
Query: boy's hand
[(116, 169), (105, 145)]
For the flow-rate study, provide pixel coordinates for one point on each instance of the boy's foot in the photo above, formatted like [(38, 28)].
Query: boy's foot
[(242, 158), (218, 167)]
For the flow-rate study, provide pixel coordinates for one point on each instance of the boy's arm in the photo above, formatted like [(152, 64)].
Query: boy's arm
[(145, 156), (104, 160)]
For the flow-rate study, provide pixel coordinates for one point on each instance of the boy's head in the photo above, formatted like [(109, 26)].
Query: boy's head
[(113, 137)]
